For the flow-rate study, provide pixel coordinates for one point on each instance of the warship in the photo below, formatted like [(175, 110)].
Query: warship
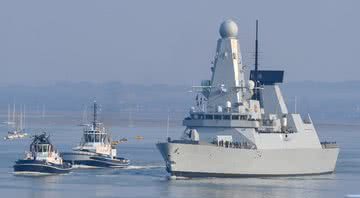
[(242, 127)]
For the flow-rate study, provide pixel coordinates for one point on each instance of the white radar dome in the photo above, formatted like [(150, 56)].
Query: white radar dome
[(228, 29)]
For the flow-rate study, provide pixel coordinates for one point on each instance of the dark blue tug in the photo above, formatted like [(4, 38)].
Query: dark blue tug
[(42, 158), (96, 149)]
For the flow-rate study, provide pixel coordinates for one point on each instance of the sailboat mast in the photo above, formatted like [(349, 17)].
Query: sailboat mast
[(13, 116), (21, 120), (9, 114), (24, 117)]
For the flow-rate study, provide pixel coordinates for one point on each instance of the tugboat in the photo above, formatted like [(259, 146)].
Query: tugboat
[(43, 158), (96, 150)]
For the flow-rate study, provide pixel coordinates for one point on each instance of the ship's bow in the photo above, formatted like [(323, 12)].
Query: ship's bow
[(164, 148)]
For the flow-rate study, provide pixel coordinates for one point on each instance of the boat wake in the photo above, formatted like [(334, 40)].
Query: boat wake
[(143, 167)]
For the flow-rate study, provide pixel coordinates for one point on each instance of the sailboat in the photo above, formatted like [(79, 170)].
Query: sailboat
[(17, 131), (10, 120)]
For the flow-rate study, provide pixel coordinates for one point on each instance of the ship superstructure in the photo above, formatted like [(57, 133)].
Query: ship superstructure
[(241, 127)]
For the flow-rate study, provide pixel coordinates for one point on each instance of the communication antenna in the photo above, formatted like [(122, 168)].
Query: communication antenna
[(167, 125), (95, 114), (256, 63), (24, 113)]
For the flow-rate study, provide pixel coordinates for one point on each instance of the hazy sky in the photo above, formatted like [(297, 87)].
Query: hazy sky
[(173, 41)]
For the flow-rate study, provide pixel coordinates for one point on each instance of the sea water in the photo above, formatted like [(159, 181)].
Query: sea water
[(146, 176)]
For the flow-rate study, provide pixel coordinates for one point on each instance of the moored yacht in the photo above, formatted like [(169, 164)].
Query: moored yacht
[(42, 158), (17, 130), (15, 134), (96, 148)]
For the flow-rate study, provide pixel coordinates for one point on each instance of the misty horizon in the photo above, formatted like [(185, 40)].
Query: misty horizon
[(155, 43)]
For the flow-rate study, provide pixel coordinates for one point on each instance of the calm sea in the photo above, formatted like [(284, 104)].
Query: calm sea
[(146, 177)]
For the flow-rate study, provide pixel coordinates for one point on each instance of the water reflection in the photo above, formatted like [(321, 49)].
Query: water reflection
[(253, 187)]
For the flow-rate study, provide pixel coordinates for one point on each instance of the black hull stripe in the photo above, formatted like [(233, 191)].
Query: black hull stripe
[(225, 175), (98, 163)]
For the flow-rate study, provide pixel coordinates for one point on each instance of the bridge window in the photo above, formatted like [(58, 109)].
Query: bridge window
[(217, 117), (226, 117)]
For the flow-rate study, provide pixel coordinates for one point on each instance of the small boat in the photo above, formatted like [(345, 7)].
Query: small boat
[(96, 149), (116, 142), (42, 158), (139, 137), (11, 135)]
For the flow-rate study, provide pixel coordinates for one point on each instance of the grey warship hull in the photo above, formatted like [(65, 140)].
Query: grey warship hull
[(197, 160)]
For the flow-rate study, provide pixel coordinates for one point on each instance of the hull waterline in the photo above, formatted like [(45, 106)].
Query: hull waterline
[(33, 167), (191, 160), (81, 160)]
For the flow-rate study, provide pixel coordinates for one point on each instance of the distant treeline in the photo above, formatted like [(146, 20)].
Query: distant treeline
[(325, 101)]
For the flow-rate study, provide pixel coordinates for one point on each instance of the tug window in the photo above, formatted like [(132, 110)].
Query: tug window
[(97, 138), (209, 117), (235, 117)]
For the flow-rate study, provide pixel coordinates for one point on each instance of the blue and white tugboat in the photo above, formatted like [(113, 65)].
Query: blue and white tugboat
[(42, 158), (96, 150)]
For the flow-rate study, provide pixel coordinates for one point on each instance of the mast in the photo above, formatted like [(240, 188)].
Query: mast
[(167, 126), (21, 118), (130, 118), (9, 114), (256, 63), (13, 114), (24, 117), (95, 114)]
